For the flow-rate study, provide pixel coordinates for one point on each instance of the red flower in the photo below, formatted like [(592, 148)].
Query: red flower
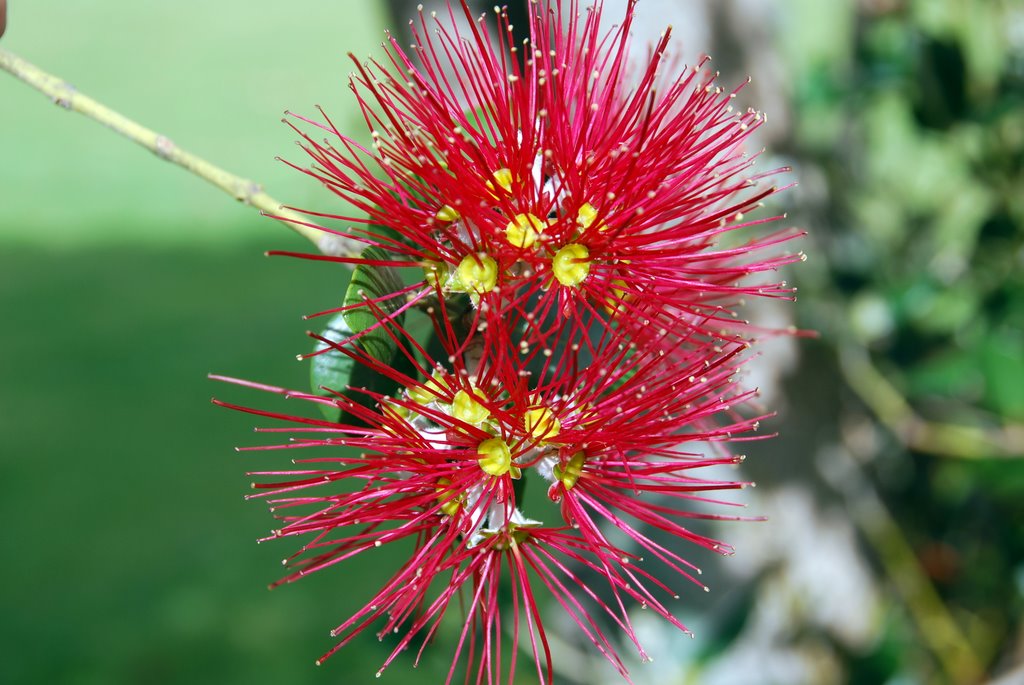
[(543, 171), (443, 462), (581, 212)]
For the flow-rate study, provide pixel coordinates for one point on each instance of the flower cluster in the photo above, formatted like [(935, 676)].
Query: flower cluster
[(559, 221)]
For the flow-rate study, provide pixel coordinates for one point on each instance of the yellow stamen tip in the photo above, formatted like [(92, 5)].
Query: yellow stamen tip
[(571, 472), (430, 391), (571, 265), (478, 273), (585, 217), (503, 177), (447, 214), (467, 407), (524, 229), (541, 423), (495, 457), (434, 273)]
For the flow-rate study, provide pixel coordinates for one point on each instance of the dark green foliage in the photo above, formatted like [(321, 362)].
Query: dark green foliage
[(920, 137)]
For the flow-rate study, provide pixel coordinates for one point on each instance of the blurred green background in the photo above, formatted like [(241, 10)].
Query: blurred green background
[(130, 554)]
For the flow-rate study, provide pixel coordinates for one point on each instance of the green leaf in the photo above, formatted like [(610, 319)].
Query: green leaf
[(371, 282), (952, 373), (332, 369), (1003, 367)]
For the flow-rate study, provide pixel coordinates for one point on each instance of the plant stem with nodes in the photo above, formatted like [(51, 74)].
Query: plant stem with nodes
[(67, 96)]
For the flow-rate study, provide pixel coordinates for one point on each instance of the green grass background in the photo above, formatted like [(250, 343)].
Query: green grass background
[(129, 553)]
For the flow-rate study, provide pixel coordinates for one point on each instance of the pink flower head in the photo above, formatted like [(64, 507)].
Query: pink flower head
[(442, 463), (562, 215), (554, 170)]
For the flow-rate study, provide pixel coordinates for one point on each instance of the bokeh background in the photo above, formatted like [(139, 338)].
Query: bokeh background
[(894, 553)]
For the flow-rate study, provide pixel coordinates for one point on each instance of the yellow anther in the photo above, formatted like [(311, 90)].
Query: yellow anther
[(477, 273), (434, 273), (524, 229), (503, 177), (468, 408), (447, 214), (571, 265), (430, 391), (541, 423), (495, 457), (450, 502), (571, 472)]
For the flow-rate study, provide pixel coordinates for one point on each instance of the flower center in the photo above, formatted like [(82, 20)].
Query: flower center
[(431, 390), (447, 214), (616, 297), (434, 273), (541, 423), (503, 177), (524, 229), (571, 265), (478, 273), (570, 473), (585, 217), (466, 407), (512, 536), (495, 458)]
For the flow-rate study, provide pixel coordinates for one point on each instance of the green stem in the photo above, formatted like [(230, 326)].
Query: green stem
[(67, 96)]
